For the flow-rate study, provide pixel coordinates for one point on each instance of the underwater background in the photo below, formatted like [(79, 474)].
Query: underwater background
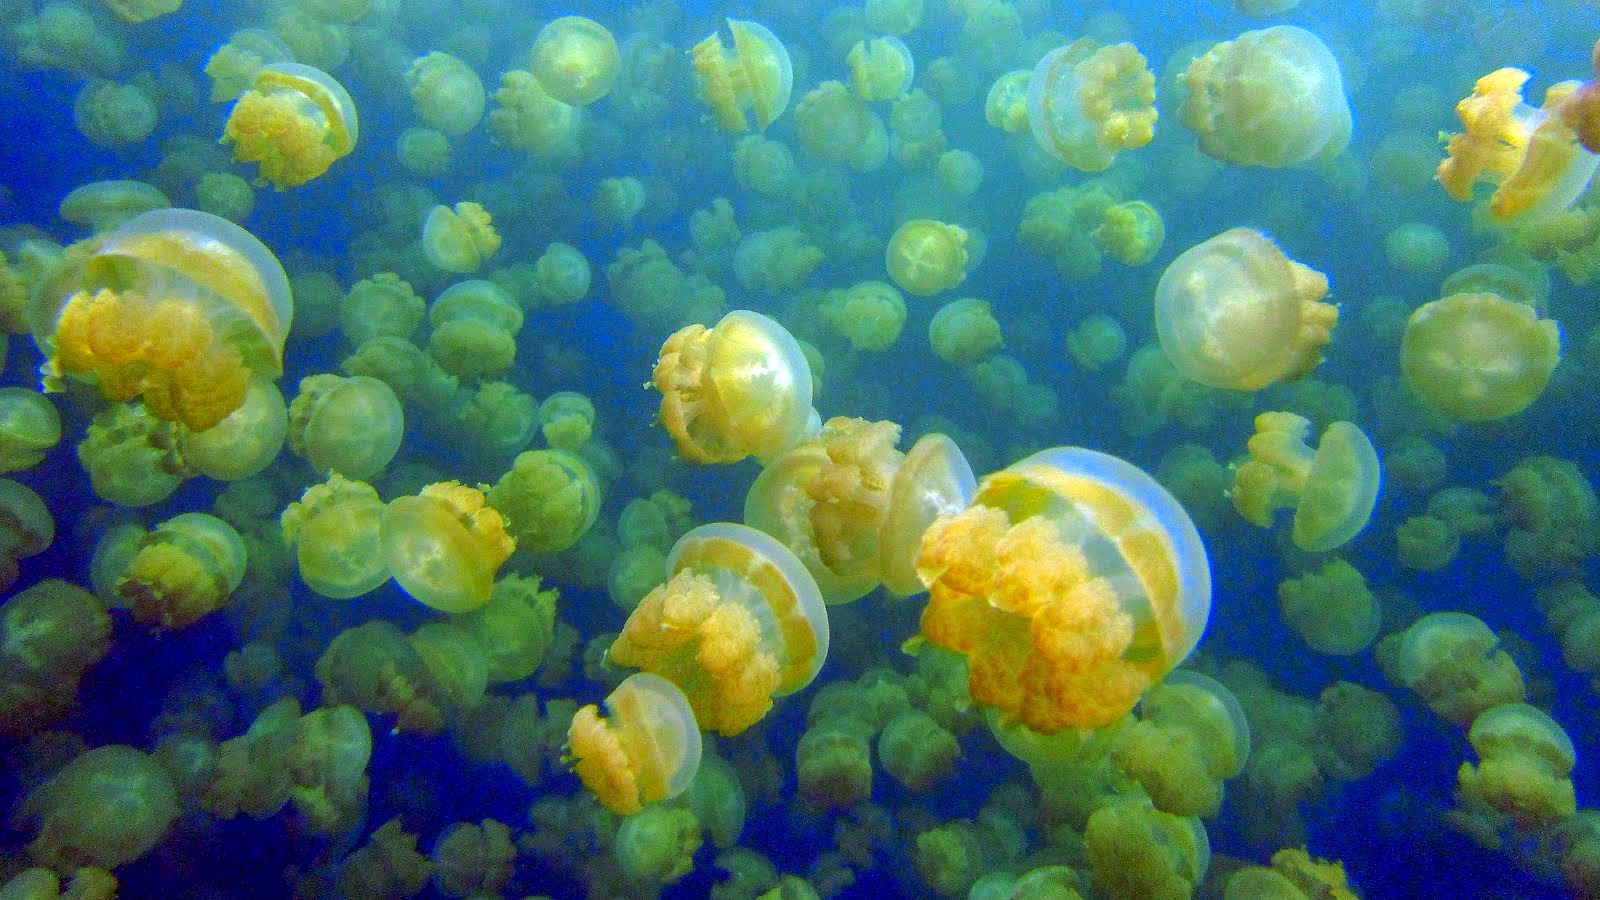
[(173, 648)]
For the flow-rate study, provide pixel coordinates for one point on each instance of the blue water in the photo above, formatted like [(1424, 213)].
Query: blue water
[(1405, 65)]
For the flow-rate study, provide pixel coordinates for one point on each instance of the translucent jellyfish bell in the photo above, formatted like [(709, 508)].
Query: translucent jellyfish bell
[(1072, 583), (935, 480), (647, 748), (754, 79), (1084, 109)]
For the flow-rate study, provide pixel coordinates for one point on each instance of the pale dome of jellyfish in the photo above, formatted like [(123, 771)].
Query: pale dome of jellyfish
[(865, 449)]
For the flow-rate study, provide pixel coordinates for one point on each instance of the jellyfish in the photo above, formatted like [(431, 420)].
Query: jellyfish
[(964, 331), (529, 118), (444, 544), (881, 68), (1332, 489), (1524, 770), (933, 481), (563, 275), (1135, 850), (1191, 736), (925, 257), (51, 633), (104, 205), (739, 388), (295, 121), (752, 81), (1273, 97), (1071, 583), (113, 115), (566, 420), (1331, 608), (446, 93), (549, 498), (1236, 312), (353, 426), (126, 452), (1085, 108), (1477, 356), (738, 622), (646, 749), (29, 427), (233, 67), (178, 305), (869, 315), (334, 530), (108, 806), (576, 60), (475, 325), (246, 441), (459, 240), (185, 568), (1455, 663), (1534, 157)]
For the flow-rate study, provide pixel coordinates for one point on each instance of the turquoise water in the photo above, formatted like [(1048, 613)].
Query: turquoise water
[(1366, 212)]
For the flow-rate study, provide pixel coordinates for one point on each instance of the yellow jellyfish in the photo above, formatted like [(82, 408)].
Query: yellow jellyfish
[(234, 65), (1085, 109), (738, 622), (1006, 105), (925, 257), (178, 305), (1454, 662), (881, 68), (549, 498), (1477, 357), (1273, 97), (246, 441), (446, 93), (1533, 156), (459, 240), (645, 750), (933, 481), (29, 427), (1236, 312), (1525, 766), (576, 60), (103, 205), (739, 388), (107, 807), (334, 530), (1071, 583), (184, 568), (1192, 735), (26, 528), (752, 80), (353, 426), (1332, 489), (295, 121), (444, 545)]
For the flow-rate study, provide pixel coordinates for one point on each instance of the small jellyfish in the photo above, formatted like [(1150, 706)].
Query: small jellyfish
[(753, 80), (334, 530), (646, 749), (1084, 109), (550, 499), (933, 481), (1071, 583), (444, 545), (103, 205), (178, 305), (446, 93), (1273, 97), (738, 622), (295, 121), (1332, 489), (246, 441), (233, 67), (26, 528), (739, 388), (881, 68), (1236, 312), (925, 256), (1477, 357), (1524, 770), (107, 807), (1192, 735), (29, 427), (184, 569), (475, 325), (459, 240), (353, 426), (576, 60)]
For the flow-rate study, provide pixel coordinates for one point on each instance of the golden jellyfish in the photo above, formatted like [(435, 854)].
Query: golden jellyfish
[(1084, 109), (1533, 156), (353, 426), (738, 388), (29, 427), (550, 498), (738, 622), (103, 205), (107, 807), (1525, 766), (178, 305), (1332, 488), (1273, 97), (334, 530), (246, 441), (1071, 583), (753, 80), (881, 68), (925, 256), (444, 545), (576, 60), (1455, 663), (459, 239), (1478, 357), (646, 749), (185, 568), (1236, 312), (234, 65), (1192, 735), (295, 121), (933, 481), (446, 93)]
